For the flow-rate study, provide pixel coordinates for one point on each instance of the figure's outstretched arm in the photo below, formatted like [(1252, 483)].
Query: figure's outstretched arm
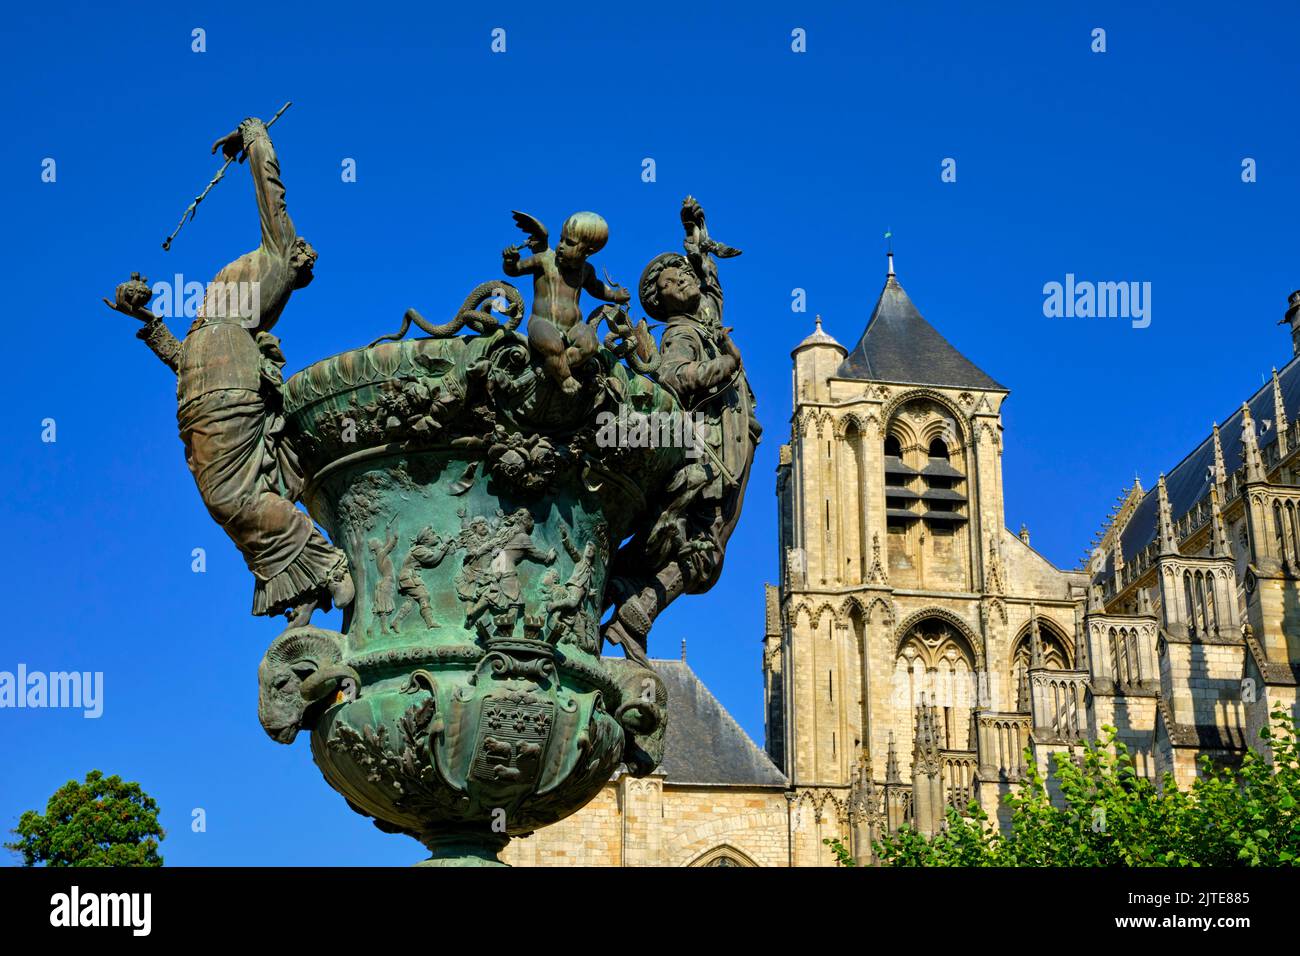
[(697, 246), (513, 266), (130, 300), (534, 551), (251, 142), (161, 342), (569, 547), (597, 289)]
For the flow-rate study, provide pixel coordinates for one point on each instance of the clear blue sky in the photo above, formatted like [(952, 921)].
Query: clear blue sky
[(1117, 166)]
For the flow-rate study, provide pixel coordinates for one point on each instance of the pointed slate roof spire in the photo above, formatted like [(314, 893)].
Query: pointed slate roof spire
[(1279, 414), (1218, 534), (1168, 543), (1220, 471), (901, 346), (1250, 447)]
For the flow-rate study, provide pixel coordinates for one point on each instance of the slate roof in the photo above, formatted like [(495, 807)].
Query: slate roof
[(1189, 481), (901, 346), (703, 743)]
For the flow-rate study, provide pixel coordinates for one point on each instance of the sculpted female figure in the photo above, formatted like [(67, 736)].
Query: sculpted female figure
[(228, 400)]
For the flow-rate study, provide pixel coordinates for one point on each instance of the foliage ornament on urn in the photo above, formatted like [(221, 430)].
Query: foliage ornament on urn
[(473, 511)]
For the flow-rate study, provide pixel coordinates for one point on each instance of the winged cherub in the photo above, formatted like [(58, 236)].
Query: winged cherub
[(556, 330)]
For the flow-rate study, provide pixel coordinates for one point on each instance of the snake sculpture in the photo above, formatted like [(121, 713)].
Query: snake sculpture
[(476, 312), (634, 344)]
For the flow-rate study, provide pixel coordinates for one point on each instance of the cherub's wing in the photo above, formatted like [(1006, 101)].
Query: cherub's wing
[(538, 239)]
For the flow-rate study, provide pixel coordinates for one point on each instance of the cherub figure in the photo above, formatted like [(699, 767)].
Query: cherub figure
[(556, 330)]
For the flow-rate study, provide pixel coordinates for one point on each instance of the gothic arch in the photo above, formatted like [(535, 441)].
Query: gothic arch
[(817, 801), (935, 429), (849, 603), (815, 613), (902, 430), (885, 606), (863, 423), (1050, 633), (724, 855), (817, 417), (821, 611), (903, 398), (904, 630), (801, 608), (984, 428), (1000, 606), (865, 606)]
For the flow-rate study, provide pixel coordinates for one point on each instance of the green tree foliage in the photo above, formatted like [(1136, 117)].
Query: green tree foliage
[(1107, 814), (103, 822)]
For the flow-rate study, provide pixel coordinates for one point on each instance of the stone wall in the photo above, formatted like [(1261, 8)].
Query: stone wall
[(649, 822)]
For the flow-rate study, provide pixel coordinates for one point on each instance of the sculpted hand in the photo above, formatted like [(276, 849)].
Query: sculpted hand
[(621, 295), (230, 145), (131, 297), (729, 347), (692, 214)]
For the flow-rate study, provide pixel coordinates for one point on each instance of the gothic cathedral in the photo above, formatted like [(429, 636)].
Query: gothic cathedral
[(916, 650)]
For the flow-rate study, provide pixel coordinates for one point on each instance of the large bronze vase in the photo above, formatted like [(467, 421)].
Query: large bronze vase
[(470, 702)]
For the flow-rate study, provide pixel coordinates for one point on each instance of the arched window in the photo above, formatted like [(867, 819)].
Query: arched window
[(1204, 619), (1211, 607), (1134, 659), (1294, 527), (938, 449), (1278, 533), (723, 856), (1125, 666), (936, 665), (893, 447)]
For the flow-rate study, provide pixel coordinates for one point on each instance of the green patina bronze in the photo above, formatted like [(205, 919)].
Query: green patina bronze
[(483, 514)]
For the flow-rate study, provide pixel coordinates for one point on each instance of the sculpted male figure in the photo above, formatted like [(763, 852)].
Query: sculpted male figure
[(702, 366), (228, 371)]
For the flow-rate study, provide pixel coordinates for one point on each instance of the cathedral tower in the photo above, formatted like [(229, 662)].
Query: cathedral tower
[(904, 600)]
